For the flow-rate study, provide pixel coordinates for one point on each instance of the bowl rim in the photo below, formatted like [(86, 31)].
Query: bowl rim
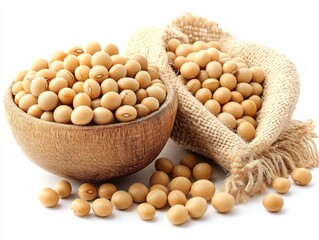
[(171, 97)]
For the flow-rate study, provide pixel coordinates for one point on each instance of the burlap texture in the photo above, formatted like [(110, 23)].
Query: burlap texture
[(280, 144)]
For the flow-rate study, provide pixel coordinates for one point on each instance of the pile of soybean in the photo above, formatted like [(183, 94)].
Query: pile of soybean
[(229, 88), (90, 85), (183, 189)]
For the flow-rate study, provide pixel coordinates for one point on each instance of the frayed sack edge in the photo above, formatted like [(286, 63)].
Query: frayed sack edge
[(294, 148)]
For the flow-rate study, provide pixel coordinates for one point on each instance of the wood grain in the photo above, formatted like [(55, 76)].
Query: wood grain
[(93, 153)]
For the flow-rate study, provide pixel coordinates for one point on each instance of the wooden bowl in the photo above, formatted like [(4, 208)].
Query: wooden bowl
[(93, 153)]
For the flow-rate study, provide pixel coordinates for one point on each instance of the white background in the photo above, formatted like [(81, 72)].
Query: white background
[(31, 29)]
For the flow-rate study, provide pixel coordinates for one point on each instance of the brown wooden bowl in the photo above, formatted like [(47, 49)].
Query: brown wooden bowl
[(93, 153)]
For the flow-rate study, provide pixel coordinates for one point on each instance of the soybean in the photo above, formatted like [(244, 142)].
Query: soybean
[(223, 202), (48, 197), (196, 207), (157, 198), (281, 185), (164, 164), (48, 100), (189, 160), (301, 176), (80, 207), (87, 191), (146, 211), (121, 200), (273, 202), (138, 191), (176, 197), (203, 188), (82, 115), (63, 188), (102, 207), (106, 190), (177, 214)]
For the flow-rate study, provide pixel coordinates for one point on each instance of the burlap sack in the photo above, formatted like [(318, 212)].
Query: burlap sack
[(280, 145)]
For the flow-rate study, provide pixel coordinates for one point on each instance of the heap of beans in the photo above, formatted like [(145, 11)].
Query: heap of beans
[(89, 85), (225, 85), (183, 189)]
